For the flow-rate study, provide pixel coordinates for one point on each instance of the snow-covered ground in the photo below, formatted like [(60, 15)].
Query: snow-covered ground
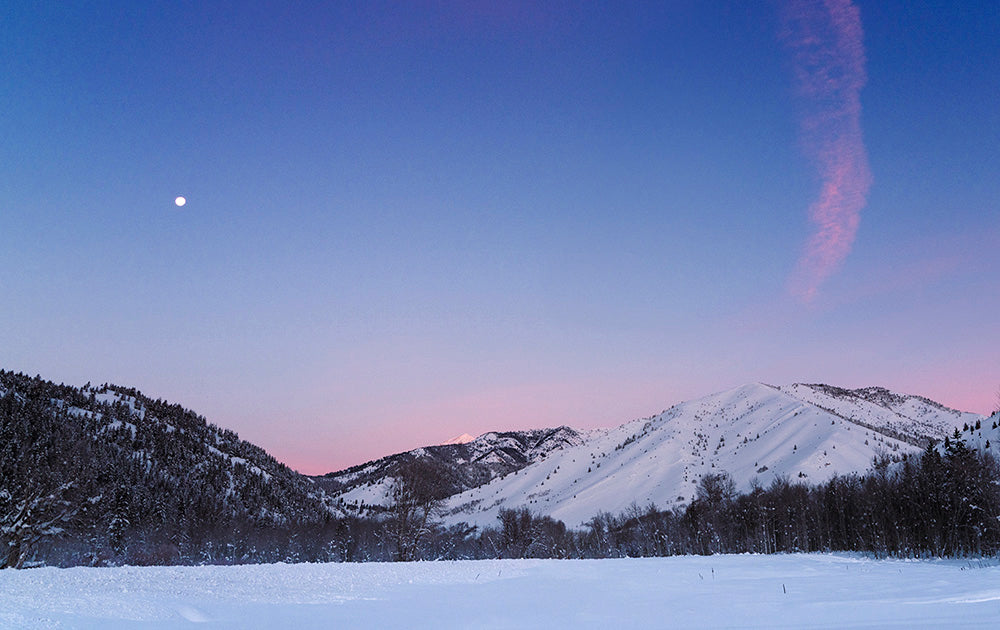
[(783, 591)]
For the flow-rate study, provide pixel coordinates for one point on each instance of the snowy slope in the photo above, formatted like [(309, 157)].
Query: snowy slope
[(986, 438), (912, 418), (753, 432), (982, 436)]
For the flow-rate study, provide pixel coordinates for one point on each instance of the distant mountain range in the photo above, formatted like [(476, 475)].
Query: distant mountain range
[(146, 464)]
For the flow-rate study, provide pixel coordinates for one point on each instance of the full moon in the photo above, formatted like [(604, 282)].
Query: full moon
[(180, 201)]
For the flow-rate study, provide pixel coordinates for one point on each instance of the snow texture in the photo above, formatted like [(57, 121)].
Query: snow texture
[(754, 432), (746, 591)]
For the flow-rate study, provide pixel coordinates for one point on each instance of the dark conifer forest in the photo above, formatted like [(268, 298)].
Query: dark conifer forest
[(105, 476)]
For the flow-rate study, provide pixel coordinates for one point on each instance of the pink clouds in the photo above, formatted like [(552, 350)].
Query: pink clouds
[(828, 58)]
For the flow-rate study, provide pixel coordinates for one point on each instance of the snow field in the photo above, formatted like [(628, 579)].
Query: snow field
[(746, 591)]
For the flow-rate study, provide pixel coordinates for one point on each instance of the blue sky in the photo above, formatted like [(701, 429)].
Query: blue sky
[(407, 221)]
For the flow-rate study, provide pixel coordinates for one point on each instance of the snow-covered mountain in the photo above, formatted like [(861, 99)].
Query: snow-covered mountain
[(148, 460), (465, 438), (755, 433), (459, 465)]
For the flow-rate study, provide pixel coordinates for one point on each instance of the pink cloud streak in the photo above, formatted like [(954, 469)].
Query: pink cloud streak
[(828, 59)]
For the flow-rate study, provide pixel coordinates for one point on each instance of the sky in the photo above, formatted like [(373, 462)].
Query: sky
[(406, 221)]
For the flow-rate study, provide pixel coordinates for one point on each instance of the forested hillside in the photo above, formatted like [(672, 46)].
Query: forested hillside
[(105, 474)]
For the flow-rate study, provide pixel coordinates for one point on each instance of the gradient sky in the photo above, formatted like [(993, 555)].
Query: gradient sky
[(412, 220)]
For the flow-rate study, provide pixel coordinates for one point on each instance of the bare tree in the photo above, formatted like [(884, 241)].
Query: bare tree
[(416, 498), (716, 488)]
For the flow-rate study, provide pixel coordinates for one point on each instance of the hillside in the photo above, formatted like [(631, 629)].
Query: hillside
[(755, 433), (129, 475)]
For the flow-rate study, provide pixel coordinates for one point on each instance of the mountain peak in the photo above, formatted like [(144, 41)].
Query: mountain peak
[(465, 438)]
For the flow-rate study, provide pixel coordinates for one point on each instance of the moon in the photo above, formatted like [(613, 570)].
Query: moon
[(180, 201)]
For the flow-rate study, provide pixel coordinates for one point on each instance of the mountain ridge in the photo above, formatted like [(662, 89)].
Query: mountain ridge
[(106, 475), (457, 466), (754, 432)]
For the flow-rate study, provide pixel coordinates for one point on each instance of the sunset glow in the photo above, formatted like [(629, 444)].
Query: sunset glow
[(413, 221)]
